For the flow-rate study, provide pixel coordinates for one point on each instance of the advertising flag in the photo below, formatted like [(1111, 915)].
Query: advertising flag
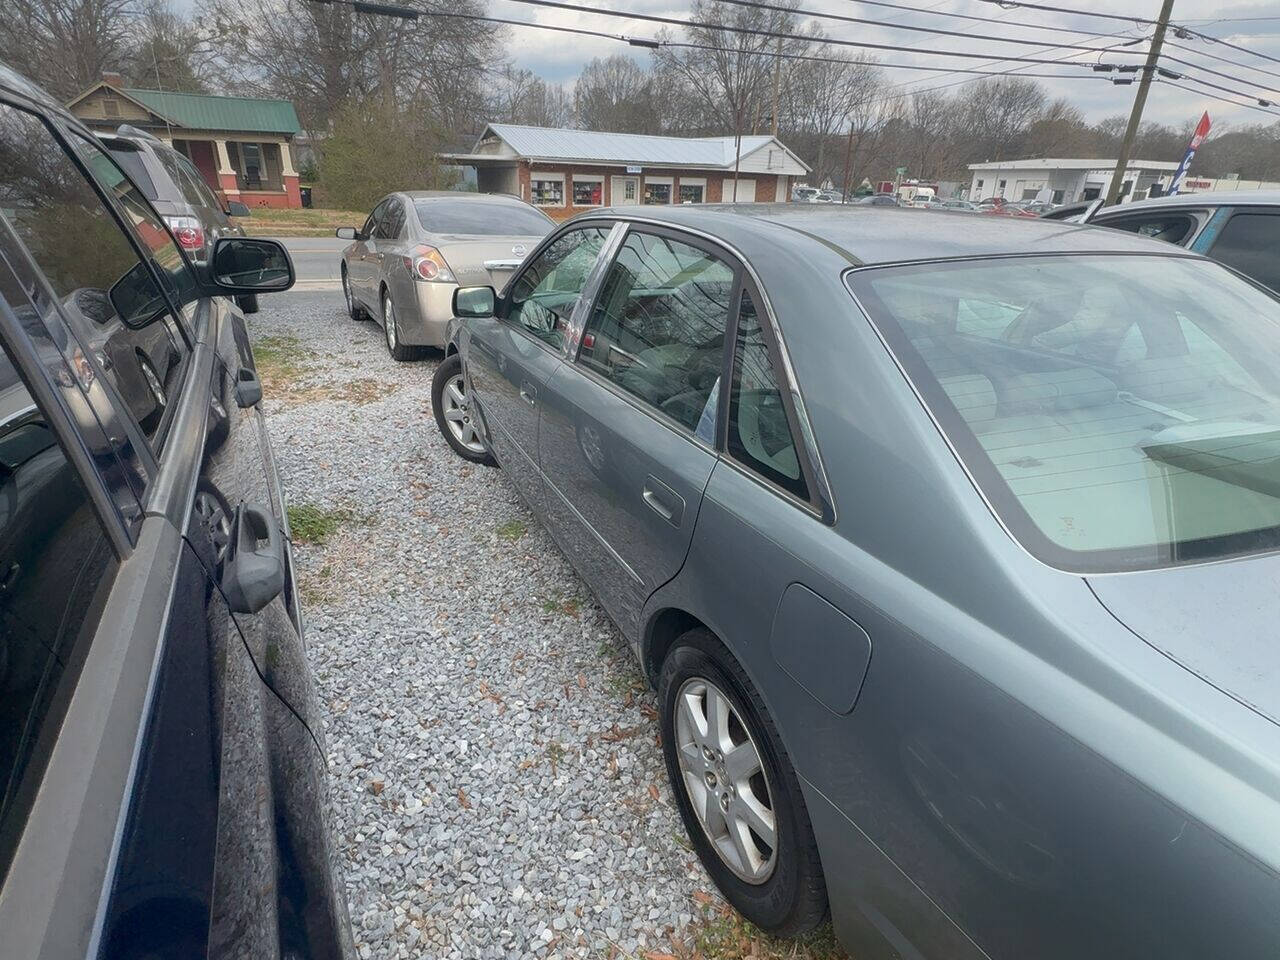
[(1197, 138)]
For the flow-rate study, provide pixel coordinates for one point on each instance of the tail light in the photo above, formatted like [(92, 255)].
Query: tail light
[(427, 263), (187, 231)]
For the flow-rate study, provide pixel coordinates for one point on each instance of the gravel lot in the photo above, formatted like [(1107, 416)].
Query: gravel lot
[(498, 787)]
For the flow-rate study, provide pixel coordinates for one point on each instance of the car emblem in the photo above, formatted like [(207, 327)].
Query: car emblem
[(519, 249)]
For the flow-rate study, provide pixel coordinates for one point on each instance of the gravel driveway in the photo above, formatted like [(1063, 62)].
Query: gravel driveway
[(498, 786)]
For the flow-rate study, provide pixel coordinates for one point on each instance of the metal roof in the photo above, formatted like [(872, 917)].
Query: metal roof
[(552, 143), (202, 112), (1085, 163)]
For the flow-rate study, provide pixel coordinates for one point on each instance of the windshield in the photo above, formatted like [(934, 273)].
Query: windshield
[(475, 218), (1118, 412)]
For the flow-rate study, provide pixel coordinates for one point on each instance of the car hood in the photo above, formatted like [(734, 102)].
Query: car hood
[(1219, 620), (475, 260)]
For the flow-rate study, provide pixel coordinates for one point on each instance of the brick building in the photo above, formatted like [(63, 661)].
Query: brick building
[(563, 172), (241, 145)]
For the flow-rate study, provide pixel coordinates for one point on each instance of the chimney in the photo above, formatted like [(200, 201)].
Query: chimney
[(113, 78)]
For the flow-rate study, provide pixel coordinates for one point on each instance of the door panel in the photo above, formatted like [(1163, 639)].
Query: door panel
[(627, 432), (510, 357)]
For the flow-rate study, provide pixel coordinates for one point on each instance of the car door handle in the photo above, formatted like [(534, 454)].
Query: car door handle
[(248, 387), (529, 393), (663, 501), (252, 573)]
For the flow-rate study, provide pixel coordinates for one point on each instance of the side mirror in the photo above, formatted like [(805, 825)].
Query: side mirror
[(251, 265), (135, 298), (348, 233), (237, 209), (474, 302)]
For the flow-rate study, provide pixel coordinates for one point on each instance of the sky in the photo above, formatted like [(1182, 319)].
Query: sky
[(559, 57)]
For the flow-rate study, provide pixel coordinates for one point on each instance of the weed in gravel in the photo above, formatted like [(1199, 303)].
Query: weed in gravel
[(513, 530), (314, 525), (726, 935), (562, 605), (281, 359)]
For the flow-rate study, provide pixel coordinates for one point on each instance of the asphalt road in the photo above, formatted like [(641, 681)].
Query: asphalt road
[(315, 261)]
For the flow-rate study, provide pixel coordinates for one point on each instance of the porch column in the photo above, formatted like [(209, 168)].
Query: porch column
[(289, 175), (226, 172)]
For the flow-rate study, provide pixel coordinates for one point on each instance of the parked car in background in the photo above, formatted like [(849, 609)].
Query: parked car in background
[(1238, 228), (804, 194), (417, 247), (829, 196), (880, 200), (963, 206), (1038, 207), (162, 775), (1009, 208), (1009, 692), (180, 194)]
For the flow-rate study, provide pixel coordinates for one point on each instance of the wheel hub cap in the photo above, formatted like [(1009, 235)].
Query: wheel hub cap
[(725, 780), (457, 414)]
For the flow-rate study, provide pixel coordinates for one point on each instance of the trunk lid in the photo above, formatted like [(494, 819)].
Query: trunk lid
[(1219, 620), (484, 261)]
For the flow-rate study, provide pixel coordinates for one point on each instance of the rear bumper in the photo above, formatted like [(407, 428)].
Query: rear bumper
[(434, 302)]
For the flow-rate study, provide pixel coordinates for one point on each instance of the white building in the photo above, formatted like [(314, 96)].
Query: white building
[(1066, 181)]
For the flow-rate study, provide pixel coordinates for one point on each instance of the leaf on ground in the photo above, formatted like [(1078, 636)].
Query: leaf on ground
[(376, 787), (653, 791), (582, 681), (462, 799)]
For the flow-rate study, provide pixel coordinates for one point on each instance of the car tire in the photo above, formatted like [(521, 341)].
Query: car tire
[(452, 407), (354, 310), (247, 302), (779, 887), (391, 331)]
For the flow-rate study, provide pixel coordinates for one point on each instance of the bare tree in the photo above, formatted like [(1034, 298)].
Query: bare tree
[(994, 112), (170, 52), (820, 99), (615, 93), (66, 45)]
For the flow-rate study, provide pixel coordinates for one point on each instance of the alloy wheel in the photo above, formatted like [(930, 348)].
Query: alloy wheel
[(725, 780), (346, 292), (457, 414), (389, 321)]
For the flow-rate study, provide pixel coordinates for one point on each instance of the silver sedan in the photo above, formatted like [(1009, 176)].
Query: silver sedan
[(417, 247)]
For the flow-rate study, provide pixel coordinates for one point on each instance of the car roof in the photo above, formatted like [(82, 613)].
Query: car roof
[(1215, 198), (865, 234)]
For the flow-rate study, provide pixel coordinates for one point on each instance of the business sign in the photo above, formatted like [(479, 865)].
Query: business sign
[(1197, 138), (633, 169)]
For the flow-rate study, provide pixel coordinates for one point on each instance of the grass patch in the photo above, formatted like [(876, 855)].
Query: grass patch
[(564, 606), (725, 935), (267, 222), (280, 360), (513, 530), (314, 525)]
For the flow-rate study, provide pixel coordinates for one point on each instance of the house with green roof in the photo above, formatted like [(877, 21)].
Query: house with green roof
[(242, 145)]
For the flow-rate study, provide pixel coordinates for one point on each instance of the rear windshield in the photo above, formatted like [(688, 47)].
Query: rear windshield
[(1119, 412), (480, 218), (131, 159)]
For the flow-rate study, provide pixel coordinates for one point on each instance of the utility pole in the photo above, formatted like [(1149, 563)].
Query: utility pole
[(777, 82), (1139, 102)]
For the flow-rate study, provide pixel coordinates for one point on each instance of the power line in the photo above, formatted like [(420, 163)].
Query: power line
[(1234, 46), (1213, 56), (771, 34), (969, 16), (1211, 96)]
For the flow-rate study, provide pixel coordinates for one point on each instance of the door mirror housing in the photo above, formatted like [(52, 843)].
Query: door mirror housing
[(474, 303), (251, 265), (237, 209), (349, 233)]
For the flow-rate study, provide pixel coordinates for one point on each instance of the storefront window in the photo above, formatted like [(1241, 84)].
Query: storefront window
[(547, 193), (657, 192), (588, 193), (691, 192)]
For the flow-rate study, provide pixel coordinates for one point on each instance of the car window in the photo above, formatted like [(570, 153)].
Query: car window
[(658, 325), (94, 270), (1169, 227), (199, 186), (543, 296), (371, 224), (55, 560), (391, 222), (130, 158), (481, 218), (759, 434), (186, 178), (1249, 242), (1128, 414)]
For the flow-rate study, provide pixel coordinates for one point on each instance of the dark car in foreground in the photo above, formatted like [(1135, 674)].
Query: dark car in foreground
[(951, 546), (162, 779), (180, 194)]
